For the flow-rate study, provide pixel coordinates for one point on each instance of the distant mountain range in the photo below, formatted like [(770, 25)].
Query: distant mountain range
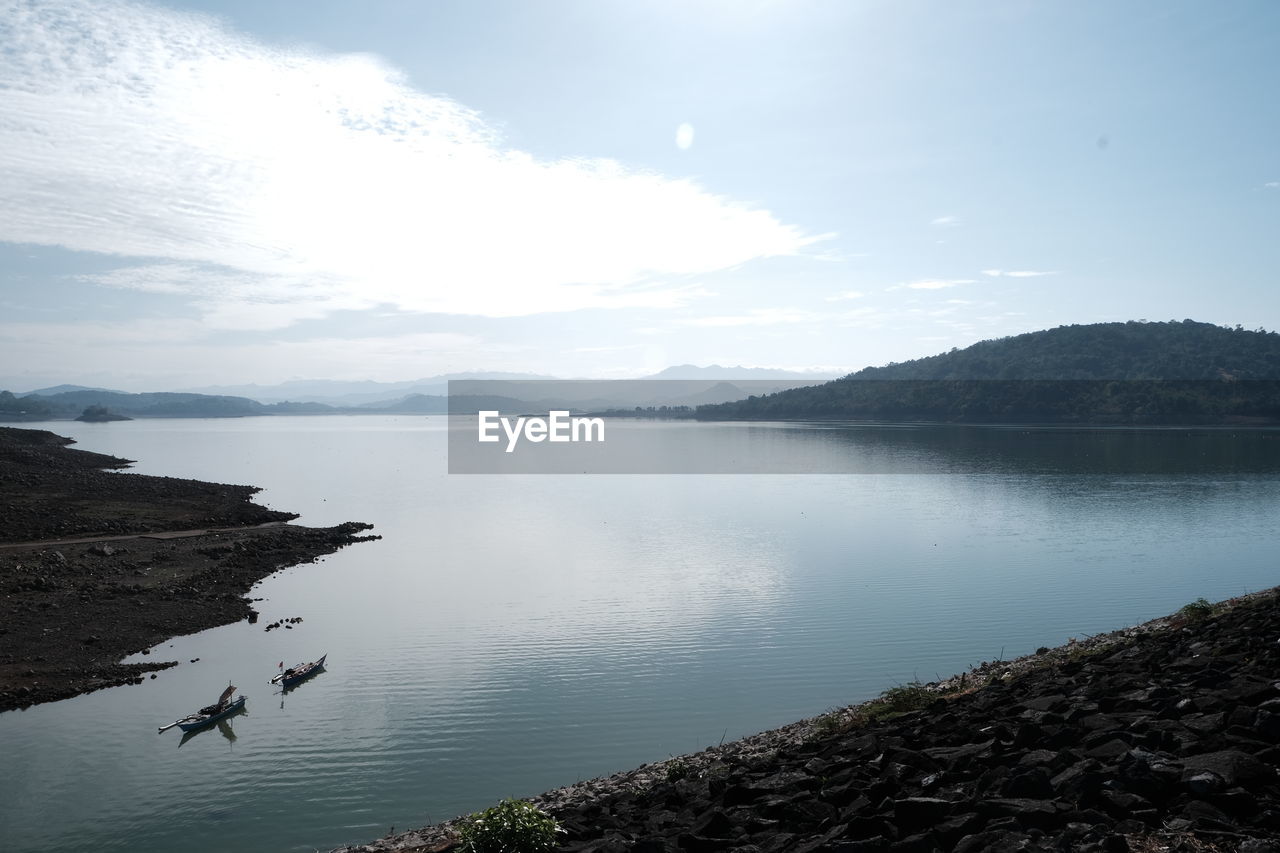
[(370, 393), (337, 392), (66, 389), (683, 386), (715, 371), (1135, 372)]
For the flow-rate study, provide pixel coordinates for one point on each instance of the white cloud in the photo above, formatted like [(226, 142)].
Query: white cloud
[(758, 317), (932, 284), (788, 316), (156, 278), (846, 294), (1018, 273), (863, 318), (285, 183), (945, 222), (151, 332), (1272, 185), (234, 299), (833, 254), (622, 348), (181, 353), (684, 136)]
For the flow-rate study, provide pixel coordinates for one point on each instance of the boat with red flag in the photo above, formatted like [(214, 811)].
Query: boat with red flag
[(298, 673)]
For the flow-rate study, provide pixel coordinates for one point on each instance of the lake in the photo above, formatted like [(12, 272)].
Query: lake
[(516, 633)]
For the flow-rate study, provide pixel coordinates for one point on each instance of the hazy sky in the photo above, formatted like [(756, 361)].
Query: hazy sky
[(221, 192)]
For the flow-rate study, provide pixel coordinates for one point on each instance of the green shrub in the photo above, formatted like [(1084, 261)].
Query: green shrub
[(677, 769), (1196, 610), (512, 826), (906, 697), (829, 724)]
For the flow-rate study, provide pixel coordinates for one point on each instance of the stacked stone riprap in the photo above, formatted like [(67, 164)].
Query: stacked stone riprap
[(1160, 738)]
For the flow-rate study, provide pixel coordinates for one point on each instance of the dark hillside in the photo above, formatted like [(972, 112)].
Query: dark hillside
[(1120, 373), (1186, 350)]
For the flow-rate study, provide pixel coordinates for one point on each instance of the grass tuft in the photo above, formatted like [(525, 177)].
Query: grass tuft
[(677, 769), (512, 826), (1197, 610), (903, 698)]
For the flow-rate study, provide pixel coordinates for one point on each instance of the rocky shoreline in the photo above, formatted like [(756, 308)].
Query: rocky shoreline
[(97, 565), (1163, 737)]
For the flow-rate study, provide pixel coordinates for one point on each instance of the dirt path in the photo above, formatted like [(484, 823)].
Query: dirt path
[(168, 534)]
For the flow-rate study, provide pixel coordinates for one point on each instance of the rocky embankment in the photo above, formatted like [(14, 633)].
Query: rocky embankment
[(1161, 737), (97, 565)]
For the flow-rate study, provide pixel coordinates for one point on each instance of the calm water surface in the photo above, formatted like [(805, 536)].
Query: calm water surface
[(511, 634)]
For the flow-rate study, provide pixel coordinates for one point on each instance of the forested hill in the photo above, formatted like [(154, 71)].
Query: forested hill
[(1134, 372), (1186, 350)]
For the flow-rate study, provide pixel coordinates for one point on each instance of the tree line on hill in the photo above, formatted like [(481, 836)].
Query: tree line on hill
[(1127, 373)]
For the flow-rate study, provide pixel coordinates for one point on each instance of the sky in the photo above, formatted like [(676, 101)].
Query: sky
[(200, 192)]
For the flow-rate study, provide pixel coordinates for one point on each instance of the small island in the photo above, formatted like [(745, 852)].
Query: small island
[(100, 414)]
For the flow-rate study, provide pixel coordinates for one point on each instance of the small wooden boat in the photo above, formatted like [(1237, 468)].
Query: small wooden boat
[(222, 727), (298, 673), (224, 707)]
